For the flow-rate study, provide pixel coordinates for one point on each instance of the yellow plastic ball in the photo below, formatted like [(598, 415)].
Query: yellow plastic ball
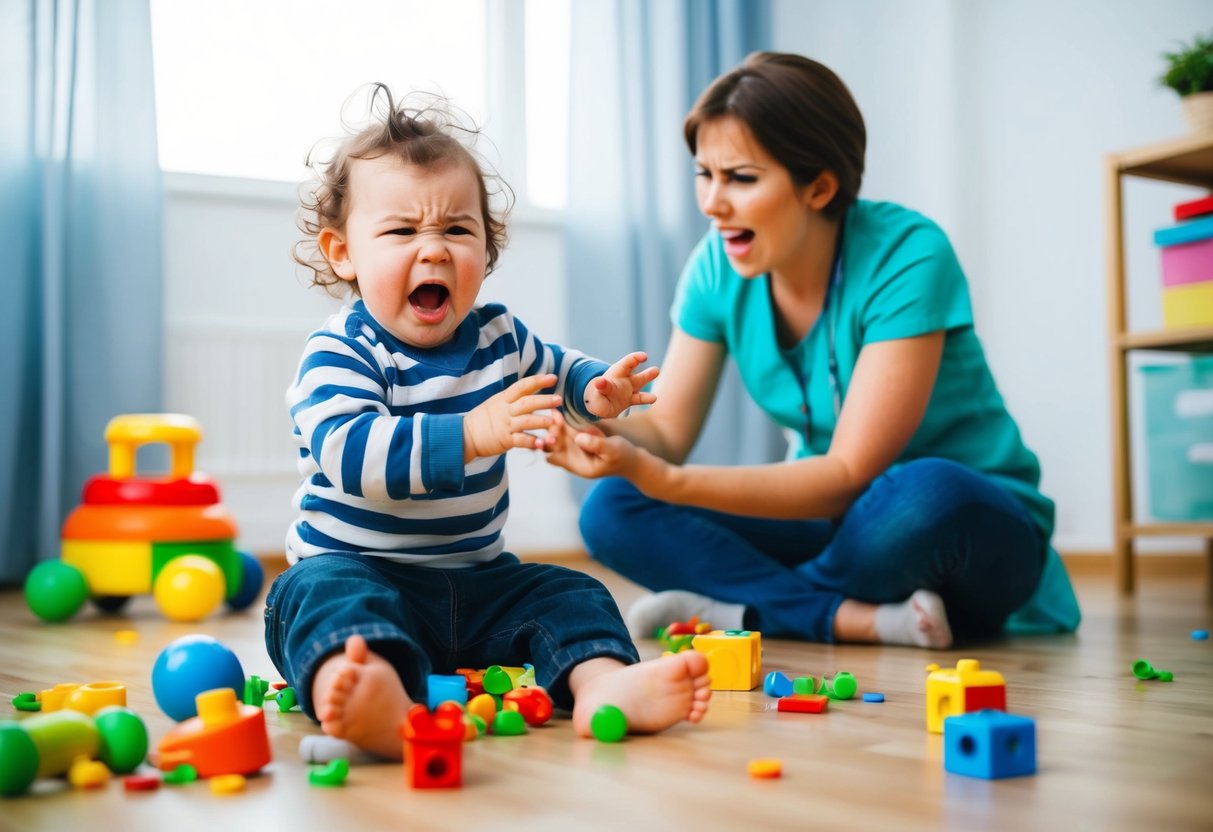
[(189, 588)]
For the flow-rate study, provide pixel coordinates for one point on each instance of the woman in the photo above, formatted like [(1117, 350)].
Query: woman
[(907, 511)]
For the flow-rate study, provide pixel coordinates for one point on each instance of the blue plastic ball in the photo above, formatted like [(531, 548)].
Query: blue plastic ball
[(251, 578), (187, 667)]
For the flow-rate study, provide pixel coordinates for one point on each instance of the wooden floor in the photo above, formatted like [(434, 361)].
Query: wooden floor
[(1114, 753)]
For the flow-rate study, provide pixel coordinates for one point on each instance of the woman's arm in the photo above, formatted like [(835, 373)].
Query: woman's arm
[(884, 406)]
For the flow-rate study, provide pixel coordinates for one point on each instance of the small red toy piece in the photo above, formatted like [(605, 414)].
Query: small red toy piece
[(433, 746), (804, 703), (533, 703), (140, 783)]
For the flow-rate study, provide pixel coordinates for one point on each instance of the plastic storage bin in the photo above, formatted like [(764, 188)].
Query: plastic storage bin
[(1179, 438)]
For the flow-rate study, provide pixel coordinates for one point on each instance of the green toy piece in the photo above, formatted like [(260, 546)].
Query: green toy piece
[(18, 759), (123, 738), (842, 686), (55, 590), (27, 702), (254, 691), (608, 724), (286, 699), (331, 774), (497, 681), (1142, 669), (803, 684), (481, 726), (181, 775), (509, 724)]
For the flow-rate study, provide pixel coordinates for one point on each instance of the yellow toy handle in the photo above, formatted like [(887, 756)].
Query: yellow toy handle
[(127, 433)]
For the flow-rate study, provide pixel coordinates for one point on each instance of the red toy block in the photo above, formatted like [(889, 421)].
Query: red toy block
[(1194, 208), (533, 703), (804, 703), (993, 696), (433, 747)]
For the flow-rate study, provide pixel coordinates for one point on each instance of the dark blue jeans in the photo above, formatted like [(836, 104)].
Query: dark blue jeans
[(927, 524), (425, 620)]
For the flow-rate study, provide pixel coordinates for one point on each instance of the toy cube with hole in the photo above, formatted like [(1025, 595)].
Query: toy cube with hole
[(433, 746), (989, 744), (734, 658), (960, 690)]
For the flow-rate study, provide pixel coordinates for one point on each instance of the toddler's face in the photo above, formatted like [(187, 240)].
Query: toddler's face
[(415, 242)]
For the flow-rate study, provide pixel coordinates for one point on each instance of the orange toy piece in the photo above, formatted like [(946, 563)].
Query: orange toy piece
[(962, 689), (533, 703), (734, 658), (475, 680), (226, 737), (433, 747), (766, 768)]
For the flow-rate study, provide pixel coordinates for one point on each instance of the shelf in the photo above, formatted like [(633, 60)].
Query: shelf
[(1170, 529), (1188, 161), (1193, 339)]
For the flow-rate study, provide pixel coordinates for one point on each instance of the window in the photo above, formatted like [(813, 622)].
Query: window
[(247, 89)]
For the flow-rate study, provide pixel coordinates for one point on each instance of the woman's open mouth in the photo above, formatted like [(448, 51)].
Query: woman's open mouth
[(737, 242), (429, 301)]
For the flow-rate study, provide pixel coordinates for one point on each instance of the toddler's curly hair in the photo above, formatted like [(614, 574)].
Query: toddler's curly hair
[(426, 134)]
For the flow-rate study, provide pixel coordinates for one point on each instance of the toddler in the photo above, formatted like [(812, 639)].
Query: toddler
[(404, 406)]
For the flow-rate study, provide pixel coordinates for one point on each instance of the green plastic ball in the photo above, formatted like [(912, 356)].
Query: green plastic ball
[(55, 590), (123, 738), (18, 759), (608, 724)]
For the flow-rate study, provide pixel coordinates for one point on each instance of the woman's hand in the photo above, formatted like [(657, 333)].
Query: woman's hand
[(501, 422), (620, 387), (588, 453)]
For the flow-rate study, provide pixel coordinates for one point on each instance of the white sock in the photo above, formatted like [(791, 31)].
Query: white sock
[(321, 748), (920, 621), (663, 608)]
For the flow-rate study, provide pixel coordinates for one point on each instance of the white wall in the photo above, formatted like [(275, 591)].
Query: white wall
[(992, 118)]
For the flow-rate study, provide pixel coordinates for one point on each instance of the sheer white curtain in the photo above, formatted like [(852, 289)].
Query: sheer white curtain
[(80, 225)]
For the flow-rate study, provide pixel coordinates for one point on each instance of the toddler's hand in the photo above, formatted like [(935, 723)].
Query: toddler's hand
[(500, 423), (619, 387)]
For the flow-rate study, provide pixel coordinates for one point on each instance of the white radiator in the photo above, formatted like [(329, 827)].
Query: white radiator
[(232, 377)]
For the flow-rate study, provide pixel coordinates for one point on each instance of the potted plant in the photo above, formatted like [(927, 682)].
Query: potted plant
[(1190, 73)]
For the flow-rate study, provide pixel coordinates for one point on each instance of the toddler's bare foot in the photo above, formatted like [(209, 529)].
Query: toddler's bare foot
[(653, 695), (359, 697)]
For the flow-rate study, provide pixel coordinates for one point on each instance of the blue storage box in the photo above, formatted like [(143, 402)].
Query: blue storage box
[(1179, 438)]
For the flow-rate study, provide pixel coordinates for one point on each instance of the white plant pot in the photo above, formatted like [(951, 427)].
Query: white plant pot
[(1198, 111)]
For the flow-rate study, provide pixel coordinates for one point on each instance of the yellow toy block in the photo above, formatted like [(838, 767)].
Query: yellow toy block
[(117, 567), (959, 690), (734, 658)]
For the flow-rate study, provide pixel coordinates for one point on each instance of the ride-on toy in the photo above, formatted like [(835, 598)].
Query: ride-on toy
[(168, 535)]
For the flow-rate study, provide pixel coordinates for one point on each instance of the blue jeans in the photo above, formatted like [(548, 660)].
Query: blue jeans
[(927, 524), (424, 620)]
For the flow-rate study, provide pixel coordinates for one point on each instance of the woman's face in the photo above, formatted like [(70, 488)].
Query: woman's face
[(762, 215)]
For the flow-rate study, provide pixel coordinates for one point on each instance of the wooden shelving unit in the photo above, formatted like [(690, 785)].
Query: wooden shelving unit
[(1188, 161)]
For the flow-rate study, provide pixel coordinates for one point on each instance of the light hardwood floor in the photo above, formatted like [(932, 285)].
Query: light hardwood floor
[(1113, 752)]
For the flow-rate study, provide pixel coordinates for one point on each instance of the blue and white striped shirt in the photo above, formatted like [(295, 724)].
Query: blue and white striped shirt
[(379, 425)]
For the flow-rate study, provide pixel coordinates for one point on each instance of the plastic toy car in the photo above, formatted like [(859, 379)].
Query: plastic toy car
[(168, 535)]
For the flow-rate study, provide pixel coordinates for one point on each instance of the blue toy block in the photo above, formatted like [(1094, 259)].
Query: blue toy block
[(989, 744), (777, 684), (446, 689)]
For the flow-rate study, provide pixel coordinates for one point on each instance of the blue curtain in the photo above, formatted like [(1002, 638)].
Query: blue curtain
[(637, 67), (81, 202)]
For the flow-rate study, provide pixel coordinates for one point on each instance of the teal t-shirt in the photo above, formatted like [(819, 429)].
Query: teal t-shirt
[(899, 278)]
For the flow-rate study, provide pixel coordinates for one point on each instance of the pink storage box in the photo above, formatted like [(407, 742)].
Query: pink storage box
[(1187, 263)]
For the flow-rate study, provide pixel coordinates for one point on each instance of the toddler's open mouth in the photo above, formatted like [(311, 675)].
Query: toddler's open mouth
[(429, 300)]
